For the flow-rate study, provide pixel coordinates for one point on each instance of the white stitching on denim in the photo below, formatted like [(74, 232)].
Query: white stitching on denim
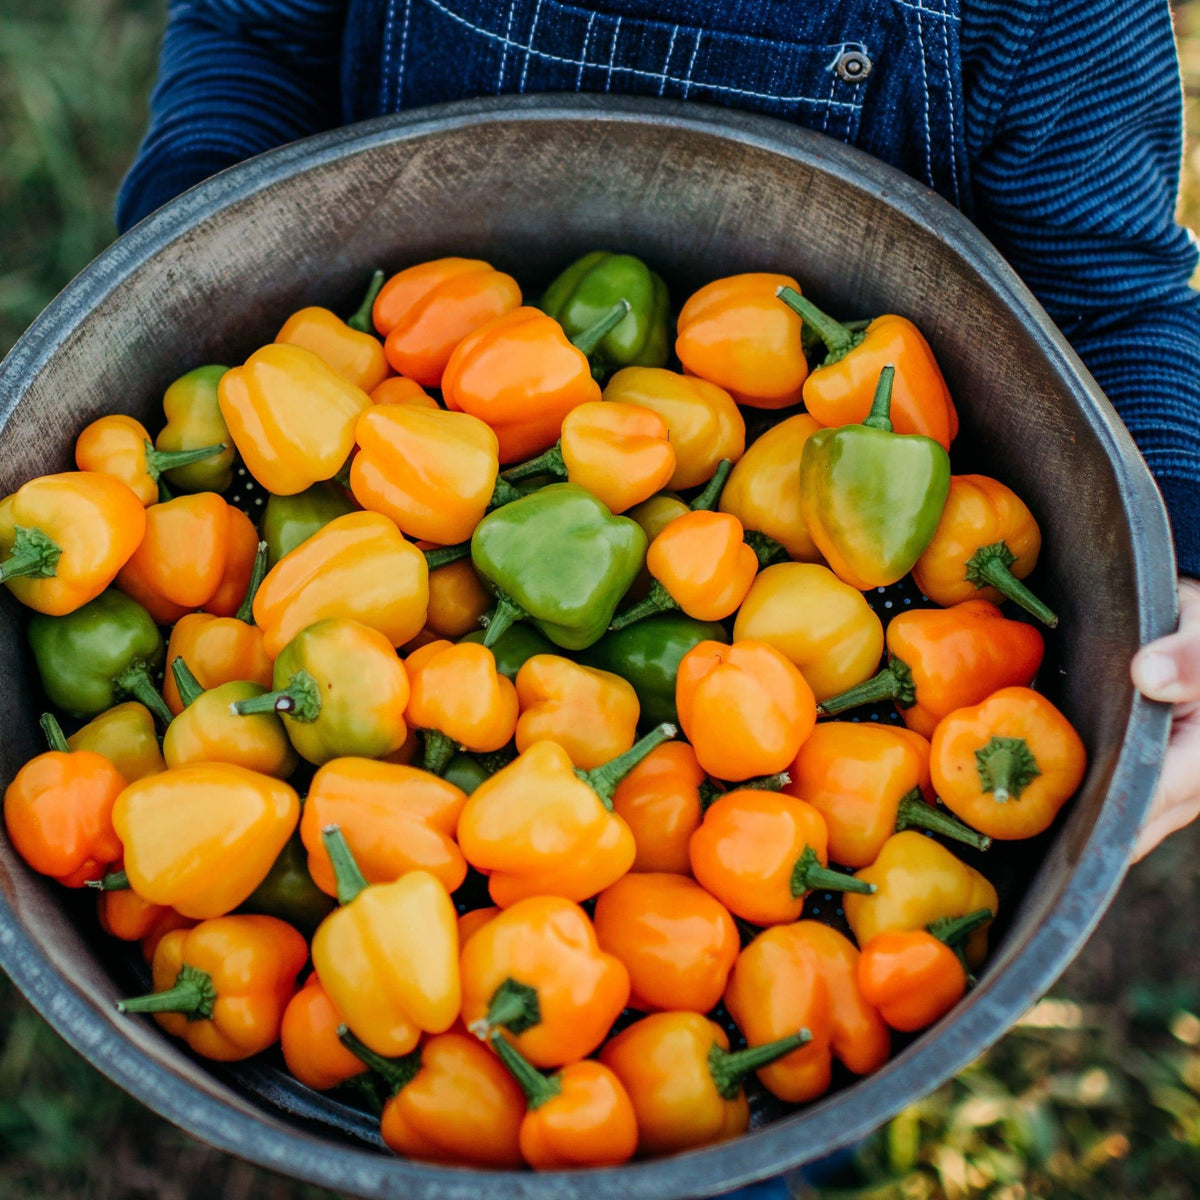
[(829, 101), (512, 4), (537, 12), (615, 68), (396, 98), (587, 37), (925, 95), (389, 36), (930, 12), (951, 102), (612, 54), (687, 80), (662, 83)]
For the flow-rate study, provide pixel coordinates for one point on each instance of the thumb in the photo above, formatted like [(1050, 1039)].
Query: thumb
[(1169, 669)]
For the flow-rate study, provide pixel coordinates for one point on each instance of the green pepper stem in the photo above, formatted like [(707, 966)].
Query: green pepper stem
[(364, 1085), (300, 700), (513, 1006), (767, 783), (1006, 767), (504, 493), (190, 688), (52, 730), (350, 880), (838, 338), (494, 761), (397, 1073), (550, 463), (135, 680), (439, 750), (164, 492), (114, 881), (360, 319), (659, 600), (809, 876), (590, 338), (193, 995), (955, 930), (443, 556), (34, 555), (538, 1088), (729, 1067), (708, 499), (604, 780), (914, 813), (881, 406), (894, 682), (766, 549), (989, 565), (258, 573), (506, 613), (158, 461)]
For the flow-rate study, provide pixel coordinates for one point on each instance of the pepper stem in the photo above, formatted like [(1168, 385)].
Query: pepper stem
[(158, 461), (397, 1073), (838, 338), (538, 1088), (809, 876), (439, 750), (504, 493), (300, 700), (590, 338), (34, 555), (729, 1067), (513, 1006), (914, 813), (766, 549), (114, 881), (506, 613), (190, 688), (707, 500), (990, 565), (360, 319), (659, 600), (55, 738), (881, 406), (193, 995), (135, 680), (955, 930), (604, 780), (1006, 767), (710, 792), (258, 573), (894, 682), (350, 880), (444, 555), (550, 463)]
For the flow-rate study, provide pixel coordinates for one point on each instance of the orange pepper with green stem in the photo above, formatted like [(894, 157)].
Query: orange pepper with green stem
[(223, 986), (123, 914), (660, 801), (940, 660), (684, 1081), (735, 333), (308, 1037), (398, 389), (986, 543), (1008, 765), (591, 714), (194, 422), (127, 736), (537, 973), (63, 538)]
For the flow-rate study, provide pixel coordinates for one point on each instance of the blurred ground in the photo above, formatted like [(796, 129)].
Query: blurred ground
[(1095, 1096)]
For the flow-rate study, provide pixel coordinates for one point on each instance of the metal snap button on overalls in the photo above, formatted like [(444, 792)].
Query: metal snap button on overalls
[(852, 66)]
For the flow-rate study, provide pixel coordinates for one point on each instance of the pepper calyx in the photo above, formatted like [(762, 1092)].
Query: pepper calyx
[(192, 995), (443, 556), (498, 622), (438, 751), (729, 1067), (397, 1073), (990, 566), (605, 779), (549, 463), (809, 875), (300, 700), (658, 600), (1006, 767), (513, 1006), (34, 555), (766, 549)]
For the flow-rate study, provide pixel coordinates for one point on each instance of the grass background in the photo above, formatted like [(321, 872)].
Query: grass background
[(1095, 1095)]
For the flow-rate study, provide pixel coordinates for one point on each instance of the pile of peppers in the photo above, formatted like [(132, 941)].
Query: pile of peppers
[(487, 774)]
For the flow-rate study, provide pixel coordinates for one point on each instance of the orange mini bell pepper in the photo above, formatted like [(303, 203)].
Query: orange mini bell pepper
[(358, 566), (120, 446), (761, 853), (388, 957), (394, 818), (823, 626), (123, 914), (63, 538), (704, 425), (452, 1101), (918, 881), (653, 515), (540, 827), (290, 416), (913, 977), (684, 1081), (537, 973), (58, 811), (677, 942), (1008, 765), (127, 736), (397, 389), (986, 543), (940, 660), (241, 553), (308, 1037), (457, 597), (219, 650), (458, 698), (426, 310), (430, 471), (869, 781), (475, 920), (581, 1116), (839, 392), (346, 347), (745, 708), (660, 801), (591, 714), (201, 838), (223, 986), (735, 333)]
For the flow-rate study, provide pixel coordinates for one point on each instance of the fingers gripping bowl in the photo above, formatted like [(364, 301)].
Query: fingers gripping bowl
[(699, 194)]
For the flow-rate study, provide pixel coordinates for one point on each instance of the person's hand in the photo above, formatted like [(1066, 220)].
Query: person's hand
[(1169, 670)]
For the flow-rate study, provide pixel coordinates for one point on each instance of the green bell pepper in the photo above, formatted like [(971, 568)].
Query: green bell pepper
[(648, 655), (98, 655), (560, 558), (514, 647), (289, 520), (288, 891), (590, 286)]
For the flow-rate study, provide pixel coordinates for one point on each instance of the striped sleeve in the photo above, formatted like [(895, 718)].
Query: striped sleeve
[(1078, 138), (236, 77)]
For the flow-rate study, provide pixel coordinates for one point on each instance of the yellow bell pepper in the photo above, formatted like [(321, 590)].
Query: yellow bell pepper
[(127, 736)]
